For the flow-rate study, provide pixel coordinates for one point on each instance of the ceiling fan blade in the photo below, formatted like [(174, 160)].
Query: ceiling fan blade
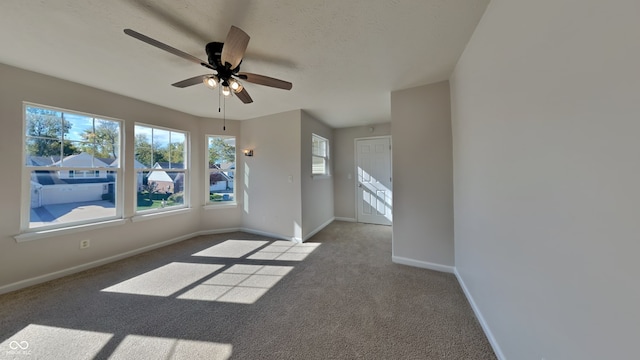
[(234, 47), (266, 81), (243, 95), (190, 81), (166, 47)]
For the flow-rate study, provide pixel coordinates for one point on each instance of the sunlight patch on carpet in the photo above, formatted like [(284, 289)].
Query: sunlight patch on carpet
[(149, 347), (49, 342), (240, 284), (232, 249), (165, 280), (284, 251)]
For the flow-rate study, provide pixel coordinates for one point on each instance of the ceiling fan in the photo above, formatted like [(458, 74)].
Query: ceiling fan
[(224, 60)]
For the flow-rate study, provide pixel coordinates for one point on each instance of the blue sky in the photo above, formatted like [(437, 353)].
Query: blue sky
[(160, 137)]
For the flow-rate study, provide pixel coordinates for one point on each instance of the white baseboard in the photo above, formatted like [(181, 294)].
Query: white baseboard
[(422, 264), (271, 235), (75, 269), (317, 230), (346, 219), (218, 231), (483, 322)]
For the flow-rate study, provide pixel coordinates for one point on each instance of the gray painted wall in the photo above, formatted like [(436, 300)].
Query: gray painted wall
[(317, 192), (546, 116), (344, 166), (422, 177), (272, 203), (26, 260), (224, 216)]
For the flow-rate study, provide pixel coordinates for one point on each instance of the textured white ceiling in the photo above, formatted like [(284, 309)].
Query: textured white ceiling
[(344, 57)]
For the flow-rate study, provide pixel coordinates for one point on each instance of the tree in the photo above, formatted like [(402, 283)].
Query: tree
[(148, 154), (220, 152), (104, 140), (160, 154), (68, 148), (144, 152), (45, 129), (176, 153), (151, 188)]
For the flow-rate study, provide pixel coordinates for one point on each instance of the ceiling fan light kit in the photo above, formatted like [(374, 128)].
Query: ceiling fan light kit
[(210, 81), (224, 60)]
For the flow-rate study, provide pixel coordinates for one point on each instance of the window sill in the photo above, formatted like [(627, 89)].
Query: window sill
[(35, 235), (320, 176), (221, 205), (159, 214)]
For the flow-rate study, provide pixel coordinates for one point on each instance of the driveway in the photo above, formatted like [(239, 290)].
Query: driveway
[(71, 212)]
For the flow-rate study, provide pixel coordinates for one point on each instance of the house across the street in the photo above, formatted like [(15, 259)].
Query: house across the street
[(68, 186)]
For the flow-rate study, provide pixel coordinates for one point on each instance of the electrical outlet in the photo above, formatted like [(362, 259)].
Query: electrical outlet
[(85, 243)]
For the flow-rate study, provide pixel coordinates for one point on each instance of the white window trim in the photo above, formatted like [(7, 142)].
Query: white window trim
[(42, 234), (171, 211), (29, 233), (208, 204), (147, 214), (327, 166), (221, 205)]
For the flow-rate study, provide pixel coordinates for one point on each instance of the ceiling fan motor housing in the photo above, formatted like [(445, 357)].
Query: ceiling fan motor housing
[(214, 52)]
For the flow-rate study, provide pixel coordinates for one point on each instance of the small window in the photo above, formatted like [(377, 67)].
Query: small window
[(319, 155), (221, 169), (161, 168)]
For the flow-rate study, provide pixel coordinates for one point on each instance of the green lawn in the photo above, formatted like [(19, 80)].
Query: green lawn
[(144, 203)]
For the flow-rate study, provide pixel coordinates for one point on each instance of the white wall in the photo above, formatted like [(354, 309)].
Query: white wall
[(269, 196), (269, 184), (28, 260), (344, 165), (316, 192), (270, 180), (422, 177), (220, 217), (546, 109)]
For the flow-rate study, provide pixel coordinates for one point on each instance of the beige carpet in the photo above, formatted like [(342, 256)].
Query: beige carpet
[(242, 296)]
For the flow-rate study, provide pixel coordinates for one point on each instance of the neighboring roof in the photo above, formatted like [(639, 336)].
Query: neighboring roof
[(218, 176), (178, 178), (159, 175), (44, 177), (41, 160), (137, 164), (81, 160), (109, 161), (168, 165), (55, 161), (226, 166)]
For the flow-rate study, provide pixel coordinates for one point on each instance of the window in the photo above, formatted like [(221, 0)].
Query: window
[(319, 155), (80, 174), (221, 164), (71, 171), (161, 168)]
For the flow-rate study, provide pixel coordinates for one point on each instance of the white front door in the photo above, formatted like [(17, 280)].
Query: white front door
[(373, 166)]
